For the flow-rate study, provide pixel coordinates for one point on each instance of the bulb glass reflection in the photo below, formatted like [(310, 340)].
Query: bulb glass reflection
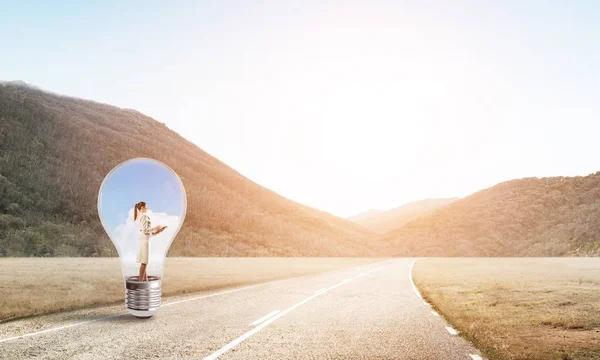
[(156, 184)]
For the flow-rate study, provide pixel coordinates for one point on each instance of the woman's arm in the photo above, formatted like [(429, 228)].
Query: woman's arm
[(159, 230), (146, 225)]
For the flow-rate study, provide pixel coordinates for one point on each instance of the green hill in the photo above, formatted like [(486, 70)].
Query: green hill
[(55, 151), (554, 216)]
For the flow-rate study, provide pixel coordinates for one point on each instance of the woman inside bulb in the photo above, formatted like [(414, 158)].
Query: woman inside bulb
[(147, 231)]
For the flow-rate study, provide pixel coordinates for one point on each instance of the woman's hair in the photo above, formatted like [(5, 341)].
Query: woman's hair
[(137, 206)]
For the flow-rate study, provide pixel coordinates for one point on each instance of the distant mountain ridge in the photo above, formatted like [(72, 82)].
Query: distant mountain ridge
[(553, 216), (55, 151), (369, 214), (382, 221)]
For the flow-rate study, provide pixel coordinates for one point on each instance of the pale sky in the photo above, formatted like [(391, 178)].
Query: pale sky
[(344, 106)]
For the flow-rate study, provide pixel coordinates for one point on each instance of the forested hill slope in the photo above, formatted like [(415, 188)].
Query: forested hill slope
[(55, 151), (554, 216)]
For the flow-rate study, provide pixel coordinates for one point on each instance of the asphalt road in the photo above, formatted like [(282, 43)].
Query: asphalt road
[(366, 312)]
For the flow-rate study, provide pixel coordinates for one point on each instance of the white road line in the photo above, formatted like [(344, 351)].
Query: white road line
[(222, 292), (475, 357), (125, 313), (451, 330), (175, 302), (256, 285), (60, 327), (320, 290), (411, 279), (235, 342), (264, 317)]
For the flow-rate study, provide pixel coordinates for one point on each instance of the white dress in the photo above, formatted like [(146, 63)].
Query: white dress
[(144, 239)]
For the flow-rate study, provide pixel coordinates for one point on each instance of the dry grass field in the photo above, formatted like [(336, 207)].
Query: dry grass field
[(40, 285), (518, 308)]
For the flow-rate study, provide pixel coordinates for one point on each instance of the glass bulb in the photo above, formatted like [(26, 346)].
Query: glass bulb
[(129, 186)]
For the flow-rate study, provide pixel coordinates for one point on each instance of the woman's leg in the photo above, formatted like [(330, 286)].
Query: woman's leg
[(145, 274), (142, 272)]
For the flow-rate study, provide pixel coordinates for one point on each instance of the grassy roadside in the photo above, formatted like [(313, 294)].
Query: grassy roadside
[(33, 286), (518, 308)]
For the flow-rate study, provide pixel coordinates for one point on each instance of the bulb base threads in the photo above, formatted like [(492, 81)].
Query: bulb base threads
[(142, 298)]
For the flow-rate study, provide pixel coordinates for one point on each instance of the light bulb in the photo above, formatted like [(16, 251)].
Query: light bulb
[(125, 188)]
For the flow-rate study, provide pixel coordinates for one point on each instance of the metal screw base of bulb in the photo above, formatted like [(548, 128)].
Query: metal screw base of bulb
[(142, 298)]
